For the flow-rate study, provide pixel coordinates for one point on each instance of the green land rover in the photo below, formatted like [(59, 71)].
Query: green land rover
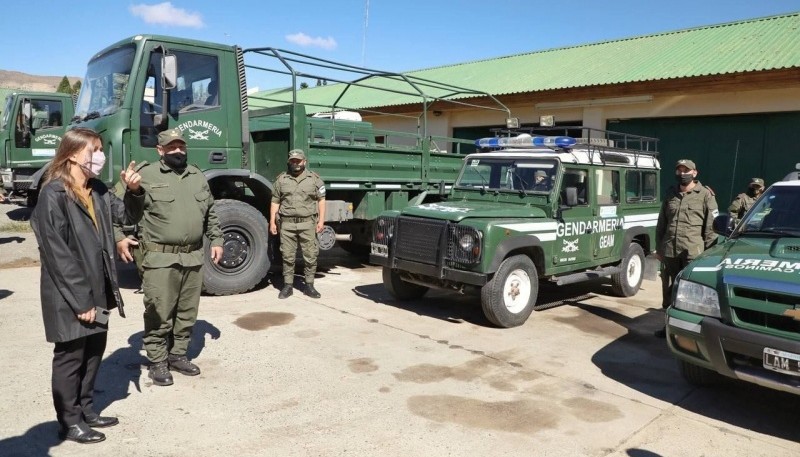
[(736, 308), (524, 210)]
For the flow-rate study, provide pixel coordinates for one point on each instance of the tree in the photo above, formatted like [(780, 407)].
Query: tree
[(64, 86), (304, 85), (76, 87)]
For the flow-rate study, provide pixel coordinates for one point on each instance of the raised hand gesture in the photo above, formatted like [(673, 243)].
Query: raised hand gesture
[(131, 177)]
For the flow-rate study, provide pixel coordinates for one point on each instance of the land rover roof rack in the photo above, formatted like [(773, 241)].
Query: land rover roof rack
[(588, 136)]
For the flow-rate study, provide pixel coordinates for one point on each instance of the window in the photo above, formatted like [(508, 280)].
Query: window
[(607, 186), (578, 180), (640, 186), (46, 114)]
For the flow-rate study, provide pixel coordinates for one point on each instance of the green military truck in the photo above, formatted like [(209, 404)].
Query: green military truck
[(532, 209), (736, 308), (31, 128), (140, 86)]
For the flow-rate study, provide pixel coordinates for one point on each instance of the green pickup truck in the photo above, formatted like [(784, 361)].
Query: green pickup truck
[(736, 308)]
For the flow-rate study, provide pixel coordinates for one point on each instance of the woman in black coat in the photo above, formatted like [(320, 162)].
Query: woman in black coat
[(73, 225)]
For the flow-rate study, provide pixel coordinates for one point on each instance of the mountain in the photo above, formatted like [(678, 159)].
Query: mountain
[(24, 81)]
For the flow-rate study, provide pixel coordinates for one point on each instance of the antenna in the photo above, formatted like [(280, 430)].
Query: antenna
[(364, 39)]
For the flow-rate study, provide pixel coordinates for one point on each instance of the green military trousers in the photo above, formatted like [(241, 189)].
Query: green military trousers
[(305, 234), (672, 266), (171, 302)]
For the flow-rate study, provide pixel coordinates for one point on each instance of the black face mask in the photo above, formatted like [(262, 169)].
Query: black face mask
[(753, 192), (684, 179), (176, 161), (296, 169)]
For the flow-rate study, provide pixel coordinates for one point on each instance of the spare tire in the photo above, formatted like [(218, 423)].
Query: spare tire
[(245, 257)]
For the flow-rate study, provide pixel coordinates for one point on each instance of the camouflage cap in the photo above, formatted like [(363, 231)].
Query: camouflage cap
[(756, 182), (297, 154), (167, 136), (541, 173), (686, 163)]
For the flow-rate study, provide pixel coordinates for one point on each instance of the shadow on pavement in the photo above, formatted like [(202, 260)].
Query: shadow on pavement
[(124, 366), (644, 363), (20, 214), (36, 442), (11, 239), (5, 293)]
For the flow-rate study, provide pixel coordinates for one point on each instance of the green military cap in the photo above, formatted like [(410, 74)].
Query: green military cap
[(297, 154), (167, 136), (686, 163), (540, 173), (756, 182)]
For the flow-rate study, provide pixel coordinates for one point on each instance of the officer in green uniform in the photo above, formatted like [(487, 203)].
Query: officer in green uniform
[(298, 206), (684, 228), (745, 200), (178, 212)]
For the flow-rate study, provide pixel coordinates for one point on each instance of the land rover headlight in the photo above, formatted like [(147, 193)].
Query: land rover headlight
[(468, 240), (696, 298)]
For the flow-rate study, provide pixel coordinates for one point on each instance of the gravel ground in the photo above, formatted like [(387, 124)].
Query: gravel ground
[(18, 246)]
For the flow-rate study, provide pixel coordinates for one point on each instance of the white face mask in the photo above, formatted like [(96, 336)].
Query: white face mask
[(95, 164)]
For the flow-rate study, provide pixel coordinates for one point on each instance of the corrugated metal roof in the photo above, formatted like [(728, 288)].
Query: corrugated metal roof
[(753, 45)]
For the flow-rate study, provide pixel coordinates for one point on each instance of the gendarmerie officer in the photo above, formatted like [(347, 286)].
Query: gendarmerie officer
[(298, 206), (684, 228), (178, 212)]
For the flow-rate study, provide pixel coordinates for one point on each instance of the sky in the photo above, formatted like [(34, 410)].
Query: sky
[(391, 35)]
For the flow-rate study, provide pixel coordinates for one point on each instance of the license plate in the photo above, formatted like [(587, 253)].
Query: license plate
[(782, 362)]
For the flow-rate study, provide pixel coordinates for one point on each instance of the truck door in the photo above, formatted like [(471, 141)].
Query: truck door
[(608, 233), (196, 105), (575, 235), (38, 126)]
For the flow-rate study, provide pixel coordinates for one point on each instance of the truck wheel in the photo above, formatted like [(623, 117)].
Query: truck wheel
[(627, 282), (697, 375), (245, 258), (399, 289), (508, 299)]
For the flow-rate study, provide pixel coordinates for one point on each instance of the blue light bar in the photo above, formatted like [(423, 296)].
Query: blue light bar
[(525, 140)]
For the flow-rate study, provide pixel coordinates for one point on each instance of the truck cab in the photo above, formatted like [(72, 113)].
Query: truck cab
[(529, 209), (736, 308), (31, 128)]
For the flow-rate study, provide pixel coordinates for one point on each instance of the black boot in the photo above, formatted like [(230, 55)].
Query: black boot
[(159, 373), (311, 291), (286, 292), (81, 433), (182, 365), (97, 421)]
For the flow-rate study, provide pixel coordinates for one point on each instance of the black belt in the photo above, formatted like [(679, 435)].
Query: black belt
[(296, 219), (171, 248)]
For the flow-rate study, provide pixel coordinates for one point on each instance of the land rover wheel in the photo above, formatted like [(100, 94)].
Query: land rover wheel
[(399, 289), (508, 299), (631, 271), (245, 250), (697, 375)]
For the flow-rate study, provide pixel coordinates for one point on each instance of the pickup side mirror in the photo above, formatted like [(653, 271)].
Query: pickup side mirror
[(724, 225)]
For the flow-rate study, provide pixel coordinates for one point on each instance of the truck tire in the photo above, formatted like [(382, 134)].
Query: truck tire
[(697, 375), (626, 283), (508, 299), (245, 258), (399, 289)]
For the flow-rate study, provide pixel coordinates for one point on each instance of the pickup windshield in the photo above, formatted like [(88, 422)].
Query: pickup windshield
[(776, 213), (508, 174), (103, 89)]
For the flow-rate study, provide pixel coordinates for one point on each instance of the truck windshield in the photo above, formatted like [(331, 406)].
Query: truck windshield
[(777, 213), (103, 89), (508, 174)]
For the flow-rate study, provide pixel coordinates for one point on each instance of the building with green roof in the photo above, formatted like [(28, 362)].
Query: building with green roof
[(725, 95)]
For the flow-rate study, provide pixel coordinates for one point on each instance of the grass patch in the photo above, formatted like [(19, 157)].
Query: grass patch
[(16, 226)]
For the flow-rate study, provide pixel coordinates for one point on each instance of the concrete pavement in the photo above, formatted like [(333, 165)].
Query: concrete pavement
[(356, 373)]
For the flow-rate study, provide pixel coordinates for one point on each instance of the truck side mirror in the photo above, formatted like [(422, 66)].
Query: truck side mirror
[(169, 71), (724, 225), (571, 196)]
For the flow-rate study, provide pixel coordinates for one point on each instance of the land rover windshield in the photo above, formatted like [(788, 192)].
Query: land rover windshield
[(508, 174), (103, 89), (776, 213)]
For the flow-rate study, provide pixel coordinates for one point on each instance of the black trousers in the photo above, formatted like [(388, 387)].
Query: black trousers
[(75, 365), (672, 266)]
